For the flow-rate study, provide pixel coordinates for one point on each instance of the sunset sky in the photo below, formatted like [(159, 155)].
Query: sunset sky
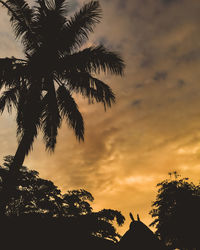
[(153, 128)]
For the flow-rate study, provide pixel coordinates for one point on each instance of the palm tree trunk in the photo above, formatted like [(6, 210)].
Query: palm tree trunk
[(20, 154), (19, 158)]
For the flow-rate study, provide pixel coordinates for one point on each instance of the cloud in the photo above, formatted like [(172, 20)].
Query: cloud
[(136, 103), (127, 150), (162, 75), (191, 56), (181, 83), (171, 1), (139, 85)]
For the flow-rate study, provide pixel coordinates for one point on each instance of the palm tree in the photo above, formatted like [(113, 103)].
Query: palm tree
[(40, 86)]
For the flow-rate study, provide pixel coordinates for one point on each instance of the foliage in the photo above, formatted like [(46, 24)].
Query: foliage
[(176, 212), (41, 86), (36, 196)]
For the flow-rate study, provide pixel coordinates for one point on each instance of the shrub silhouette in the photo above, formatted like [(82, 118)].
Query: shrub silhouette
[(37, 201), (176, 212)]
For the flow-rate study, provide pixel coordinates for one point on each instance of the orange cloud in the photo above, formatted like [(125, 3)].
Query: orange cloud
[(153, 128)]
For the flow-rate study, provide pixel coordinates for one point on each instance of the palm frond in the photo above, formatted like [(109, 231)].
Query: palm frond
[(93, 60), (21, 16), (10, 11), (69, 110), (48, 23), (78, 27), (6, 67), (61, 6), (90, 87), (49, 40), (8, 99), (51, 119), (47, 6), (42, 9), (12, 71), (103, 92)]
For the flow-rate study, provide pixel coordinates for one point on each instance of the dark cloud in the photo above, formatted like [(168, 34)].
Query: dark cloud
[(139, 85), (147, 62), (171, 1), (136, 103), (103, 40), (122, 4), (181, 83), (191, 56), (159, 76)]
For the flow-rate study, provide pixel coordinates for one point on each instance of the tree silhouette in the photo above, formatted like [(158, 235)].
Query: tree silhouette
[(34, 196), (40, 86), (176, 213)]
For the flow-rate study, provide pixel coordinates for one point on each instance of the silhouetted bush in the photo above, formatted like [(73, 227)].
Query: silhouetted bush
[(45, 233), (34, 197), (177, 213)]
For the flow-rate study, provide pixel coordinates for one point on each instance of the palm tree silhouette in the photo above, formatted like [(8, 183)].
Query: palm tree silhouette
[(40, 86)]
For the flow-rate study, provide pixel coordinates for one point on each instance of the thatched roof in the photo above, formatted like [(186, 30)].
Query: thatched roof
[(139, 237)]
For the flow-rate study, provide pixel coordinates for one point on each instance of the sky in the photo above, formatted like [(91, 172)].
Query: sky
[(154, 127)]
